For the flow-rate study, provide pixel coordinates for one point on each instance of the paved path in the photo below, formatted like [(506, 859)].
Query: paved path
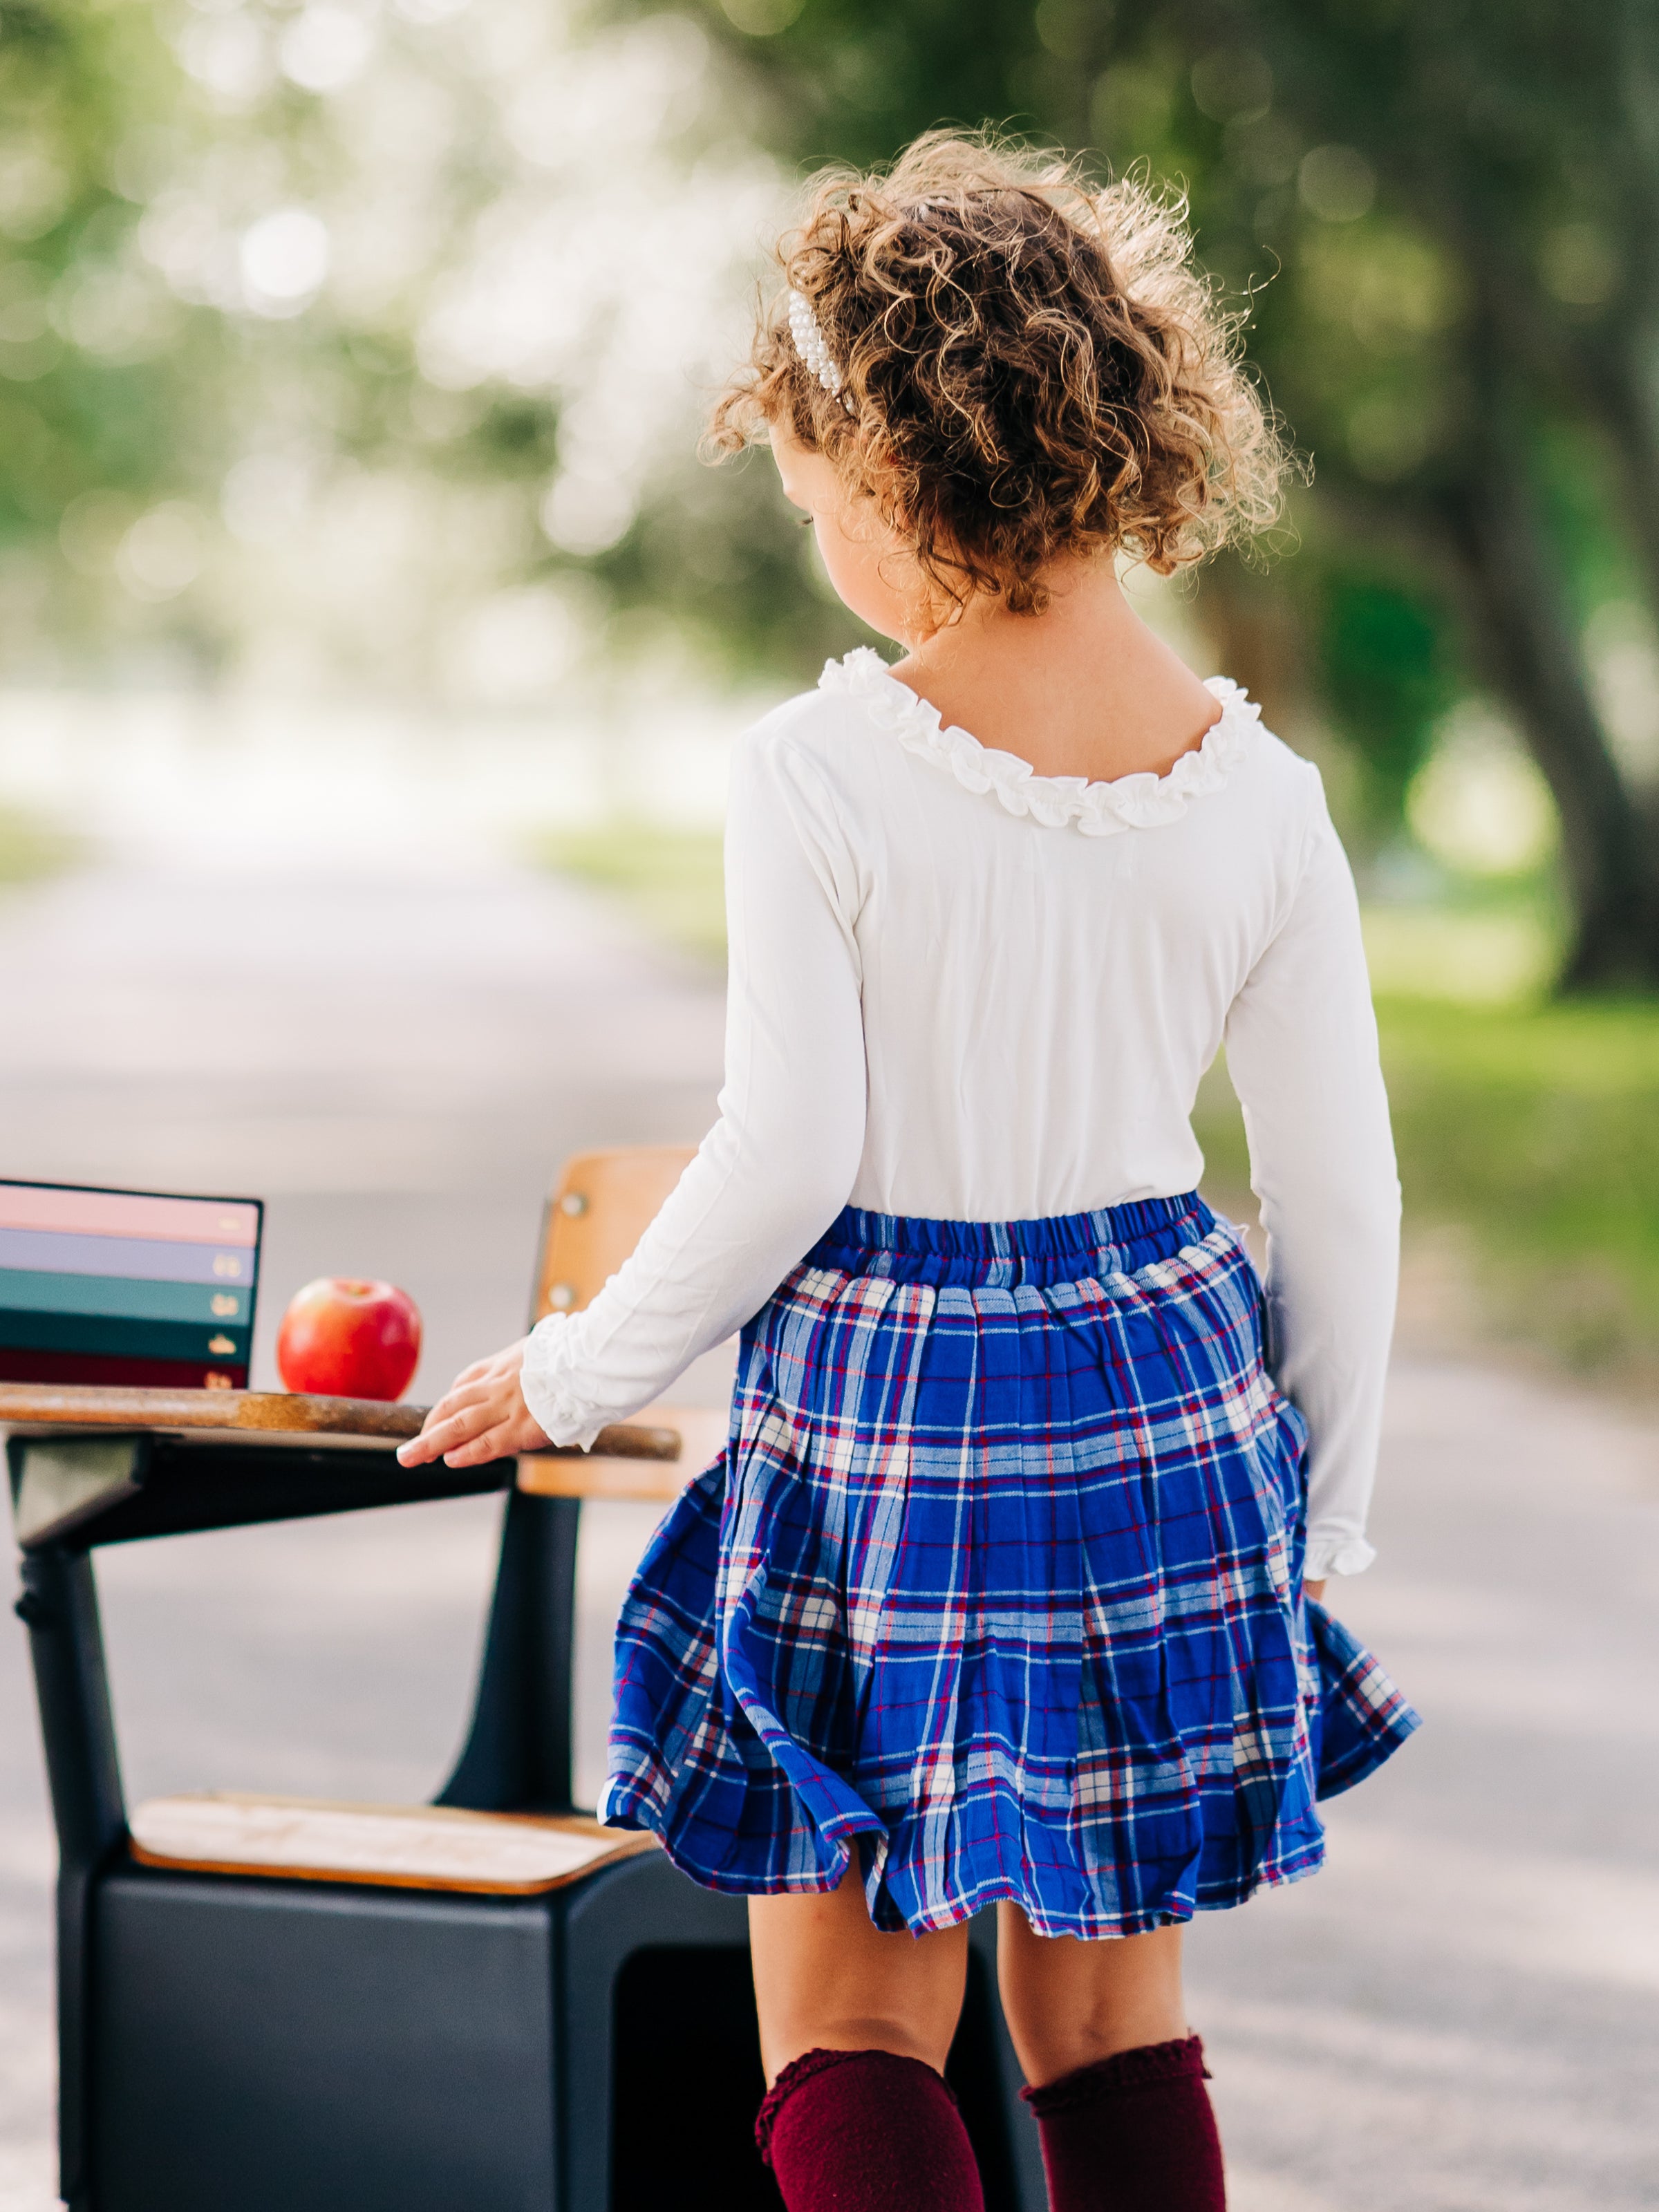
[(1461, 2013)]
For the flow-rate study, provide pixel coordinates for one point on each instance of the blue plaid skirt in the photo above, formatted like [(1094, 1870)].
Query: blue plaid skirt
[(999, 1583)]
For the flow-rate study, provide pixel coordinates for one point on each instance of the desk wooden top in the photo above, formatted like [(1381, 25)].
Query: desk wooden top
[(265, 1413)]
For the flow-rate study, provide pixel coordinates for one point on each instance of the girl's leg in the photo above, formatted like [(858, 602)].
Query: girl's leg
[(826, 1978), (1069, 2003), (856, 2028), (1117, 2080)]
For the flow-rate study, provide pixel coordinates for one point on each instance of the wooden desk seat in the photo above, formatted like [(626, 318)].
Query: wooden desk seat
[(393, 1846)]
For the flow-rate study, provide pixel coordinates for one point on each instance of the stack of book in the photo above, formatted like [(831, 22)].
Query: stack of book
[(120, 1286)]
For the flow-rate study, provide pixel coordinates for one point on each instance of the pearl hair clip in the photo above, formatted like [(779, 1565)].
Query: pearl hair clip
[(815, 355)]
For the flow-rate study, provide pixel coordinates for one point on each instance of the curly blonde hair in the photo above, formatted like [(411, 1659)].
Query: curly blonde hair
[(1031, 368)]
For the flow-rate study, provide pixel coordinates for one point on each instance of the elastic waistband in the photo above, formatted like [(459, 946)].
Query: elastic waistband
[(1112, 1240)]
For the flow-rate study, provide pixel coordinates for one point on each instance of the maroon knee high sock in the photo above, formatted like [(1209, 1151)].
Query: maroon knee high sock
[(866, 2131), (1133, 2133)]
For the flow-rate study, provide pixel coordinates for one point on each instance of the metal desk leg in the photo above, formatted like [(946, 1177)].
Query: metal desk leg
[(59, 1604)]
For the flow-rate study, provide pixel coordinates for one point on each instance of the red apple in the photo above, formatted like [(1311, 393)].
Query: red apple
[(342, 1338)]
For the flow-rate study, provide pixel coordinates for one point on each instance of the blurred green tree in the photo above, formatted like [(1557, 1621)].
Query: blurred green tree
[(322, 354), (1457, 204), (107, 385)]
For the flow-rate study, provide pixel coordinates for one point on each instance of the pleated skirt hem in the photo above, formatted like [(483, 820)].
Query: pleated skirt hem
[(1099, 1926)]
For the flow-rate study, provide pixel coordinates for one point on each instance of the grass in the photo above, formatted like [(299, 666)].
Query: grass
[(1481, 956), (30, 848), (670, 879), (1528, 1128), (1532, 1130)]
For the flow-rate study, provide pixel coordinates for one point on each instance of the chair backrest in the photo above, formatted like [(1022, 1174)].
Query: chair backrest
[(519, 1750), (599, 1208)]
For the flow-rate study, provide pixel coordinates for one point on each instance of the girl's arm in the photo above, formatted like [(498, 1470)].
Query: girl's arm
[(1301, 1052), (771, 1176)]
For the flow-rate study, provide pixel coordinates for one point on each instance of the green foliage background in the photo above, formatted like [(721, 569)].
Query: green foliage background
[(1442, 213)]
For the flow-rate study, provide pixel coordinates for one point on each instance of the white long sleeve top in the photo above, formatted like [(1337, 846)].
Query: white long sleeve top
[(961, 990)]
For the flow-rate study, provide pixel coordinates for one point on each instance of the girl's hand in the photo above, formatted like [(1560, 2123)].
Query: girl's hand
[(1314, 1591), (481, 1416)]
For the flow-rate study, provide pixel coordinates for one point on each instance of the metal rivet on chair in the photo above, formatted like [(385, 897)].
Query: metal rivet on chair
[(561, 1297), (573, 1203)]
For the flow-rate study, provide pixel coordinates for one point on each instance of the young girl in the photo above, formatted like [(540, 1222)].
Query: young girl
[(998, 1594)]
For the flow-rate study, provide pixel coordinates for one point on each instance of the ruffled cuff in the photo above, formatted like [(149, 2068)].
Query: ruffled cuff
[(550, 1390), (1334, 1553)]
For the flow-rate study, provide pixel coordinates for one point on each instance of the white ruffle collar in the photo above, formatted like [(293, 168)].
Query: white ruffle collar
[(1099, 809)]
